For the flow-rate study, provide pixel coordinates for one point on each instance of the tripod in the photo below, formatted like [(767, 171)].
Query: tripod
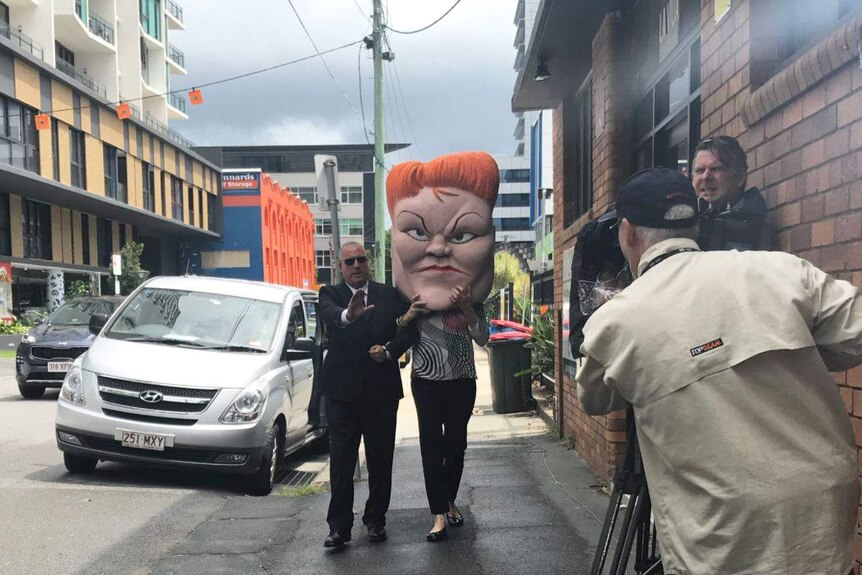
[(636, 529)]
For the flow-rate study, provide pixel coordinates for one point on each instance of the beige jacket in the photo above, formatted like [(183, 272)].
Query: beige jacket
[(747, 446)]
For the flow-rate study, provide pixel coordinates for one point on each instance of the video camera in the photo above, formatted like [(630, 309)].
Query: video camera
[(600, 271)]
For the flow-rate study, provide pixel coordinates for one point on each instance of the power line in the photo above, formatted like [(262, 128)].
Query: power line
[(390, 89), (361, 101), (361, 11), (207, 84), (325, 65), (446, 13), (406, 111)]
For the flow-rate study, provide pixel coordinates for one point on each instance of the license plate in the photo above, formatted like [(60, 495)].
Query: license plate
[(150, 441), (59, 366)]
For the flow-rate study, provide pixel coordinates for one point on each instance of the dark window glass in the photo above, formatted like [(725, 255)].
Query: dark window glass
[(55, 147), (211, 211), (110, 155), (191, 205), (163, 192), (578, 163), (139, 142), (45, 91), (148, 182), (5, 227), (514, 176), (200, 208), (76, 109), (36, 229), (64, 54), (85, 238), (104, 242), (512, 200), (77, 158), (94, 119), (176, 198), (512, 224)]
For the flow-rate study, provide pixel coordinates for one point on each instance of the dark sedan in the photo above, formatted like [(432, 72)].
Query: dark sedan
[(47, 351)]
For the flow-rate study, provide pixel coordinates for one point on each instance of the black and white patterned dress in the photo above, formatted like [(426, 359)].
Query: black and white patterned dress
[(444, 350)]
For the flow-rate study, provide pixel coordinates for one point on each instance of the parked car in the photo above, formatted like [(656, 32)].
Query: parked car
[(198, 373), (47, 351)]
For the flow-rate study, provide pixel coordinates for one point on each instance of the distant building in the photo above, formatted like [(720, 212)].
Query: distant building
[(293, 167), (73, 193), (542, 207), (267, 234), (512, 223)]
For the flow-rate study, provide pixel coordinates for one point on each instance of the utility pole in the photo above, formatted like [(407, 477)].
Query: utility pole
[(379, 152), (332, 202)]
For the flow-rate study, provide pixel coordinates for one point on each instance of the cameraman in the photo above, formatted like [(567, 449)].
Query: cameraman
[(746, 443), (731, 216)]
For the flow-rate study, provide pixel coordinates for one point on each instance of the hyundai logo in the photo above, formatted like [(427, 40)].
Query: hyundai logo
[(151, 396)]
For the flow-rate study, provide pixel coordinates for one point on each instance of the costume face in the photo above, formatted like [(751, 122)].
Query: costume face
[(356, 275), (442, 238), (712, 180)]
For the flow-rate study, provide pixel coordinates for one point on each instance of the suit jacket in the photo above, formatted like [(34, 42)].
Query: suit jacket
[(347, 368)]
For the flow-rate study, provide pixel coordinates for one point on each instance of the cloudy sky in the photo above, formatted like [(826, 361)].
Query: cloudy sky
[(456, 78)]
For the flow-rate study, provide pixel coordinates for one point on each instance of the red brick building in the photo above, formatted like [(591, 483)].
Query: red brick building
[(637, 83)]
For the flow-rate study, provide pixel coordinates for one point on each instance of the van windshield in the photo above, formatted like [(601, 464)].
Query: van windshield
[(197, 319)]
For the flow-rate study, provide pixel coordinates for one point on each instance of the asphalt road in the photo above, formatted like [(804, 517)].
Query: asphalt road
[(120, 519)]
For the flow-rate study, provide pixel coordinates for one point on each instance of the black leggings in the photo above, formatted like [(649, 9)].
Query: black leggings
[(443, 408)]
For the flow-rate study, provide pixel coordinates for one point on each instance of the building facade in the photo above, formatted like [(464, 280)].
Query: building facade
[(267, 234), (542, 208), (72, 194), (639, 84), (293, 167), (511, 213)]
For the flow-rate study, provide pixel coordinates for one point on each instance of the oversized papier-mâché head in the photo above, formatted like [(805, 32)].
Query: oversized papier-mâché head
[(442, 230)]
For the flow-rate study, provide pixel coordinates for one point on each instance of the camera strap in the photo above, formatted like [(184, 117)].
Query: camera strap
[(658, 259)]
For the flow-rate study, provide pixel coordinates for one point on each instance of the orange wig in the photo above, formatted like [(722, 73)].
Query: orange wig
[(475, 172)]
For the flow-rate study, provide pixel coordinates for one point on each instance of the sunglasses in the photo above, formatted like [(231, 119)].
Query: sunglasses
[(351, 261)]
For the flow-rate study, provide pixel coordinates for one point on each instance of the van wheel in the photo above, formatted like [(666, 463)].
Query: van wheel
[(30, 391), (79, 464), (263, 479)]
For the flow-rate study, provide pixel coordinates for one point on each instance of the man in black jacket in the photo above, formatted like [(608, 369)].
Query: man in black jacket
[(362, 385)]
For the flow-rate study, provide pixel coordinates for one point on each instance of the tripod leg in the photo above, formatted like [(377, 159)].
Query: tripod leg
[(628, 532), (607, 532)]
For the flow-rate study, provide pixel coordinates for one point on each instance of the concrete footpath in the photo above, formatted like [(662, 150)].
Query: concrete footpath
[(529, 504)]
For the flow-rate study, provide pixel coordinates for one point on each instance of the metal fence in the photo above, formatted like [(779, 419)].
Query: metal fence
[(82, 78)]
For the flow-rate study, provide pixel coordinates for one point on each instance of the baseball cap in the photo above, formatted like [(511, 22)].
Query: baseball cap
[(645, 197)]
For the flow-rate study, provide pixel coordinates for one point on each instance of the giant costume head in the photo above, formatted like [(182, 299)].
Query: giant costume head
[(442, 230)]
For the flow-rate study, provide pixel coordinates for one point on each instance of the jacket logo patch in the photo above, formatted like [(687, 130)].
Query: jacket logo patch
[(703, 348)]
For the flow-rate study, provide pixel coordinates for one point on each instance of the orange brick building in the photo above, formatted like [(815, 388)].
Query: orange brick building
[(637, 83)]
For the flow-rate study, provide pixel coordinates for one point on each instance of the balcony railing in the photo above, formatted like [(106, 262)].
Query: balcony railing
[(177, 102), (82, 78), (17, 38), (177, 56), (101, 29), (175, 10), (163, 130)]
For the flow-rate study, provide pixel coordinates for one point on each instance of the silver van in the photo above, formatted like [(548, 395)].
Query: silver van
[(197, 373)]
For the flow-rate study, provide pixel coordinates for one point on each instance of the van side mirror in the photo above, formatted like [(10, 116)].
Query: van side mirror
[(97, 322), (303, 348)]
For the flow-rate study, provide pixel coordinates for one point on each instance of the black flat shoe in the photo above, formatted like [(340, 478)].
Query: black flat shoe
[(455, 521), (435, 536), (336, 540), (376, 534)]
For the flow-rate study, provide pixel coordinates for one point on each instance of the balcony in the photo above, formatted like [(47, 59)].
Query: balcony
[(177, 107), (81, 77), (22, 41), (101, 29), (174, 13), (165, 132), (177, 59)]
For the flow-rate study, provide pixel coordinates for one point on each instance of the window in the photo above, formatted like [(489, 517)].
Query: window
[(512, 224), (77, 158), (514, 176), (85, 238), (578, 163), (191, 205), (148, 183), (323, 259), (36, 229), (5, 227), (104, 242), (350, 226), (176, 198), (200, 208), (351, 194), (295, 326), (64, 54), (512, 200), (19, 141), (163, 193), (307, 194), (211, 211), (322, 226), (94, 119), (55, 147)]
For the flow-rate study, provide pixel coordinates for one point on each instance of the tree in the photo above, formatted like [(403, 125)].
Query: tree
[(507, 270), (132, 275)]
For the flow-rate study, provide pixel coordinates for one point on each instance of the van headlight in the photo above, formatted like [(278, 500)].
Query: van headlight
[(247, 406), (27, 338), (73, 386)]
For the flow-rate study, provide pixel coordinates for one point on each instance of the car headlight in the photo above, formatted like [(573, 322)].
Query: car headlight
[(73, 386), (247, 406), (27, 338)]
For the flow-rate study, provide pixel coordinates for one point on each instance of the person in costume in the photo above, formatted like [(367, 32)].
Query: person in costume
[(443, 262)]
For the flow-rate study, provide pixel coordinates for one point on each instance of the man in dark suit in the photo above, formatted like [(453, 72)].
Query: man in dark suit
[(362, 385)]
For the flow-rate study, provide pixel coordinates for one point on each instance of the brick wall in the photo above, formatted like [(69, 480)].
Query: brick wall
[(598, 440), (801, 127)]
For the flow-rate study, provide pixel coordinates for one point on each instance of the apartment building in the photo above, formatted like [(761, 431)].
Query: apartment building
[(73, 193), (511, 213), (293, 167)]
